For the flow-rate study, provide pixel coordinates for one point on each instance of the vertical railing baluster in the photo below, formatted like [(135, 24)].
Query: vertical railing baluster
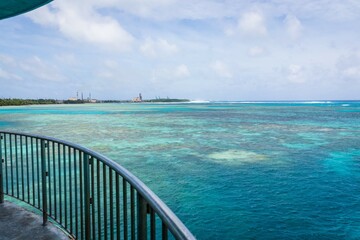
[(1, 172), (65, 188), (16, 166), (98, 197), (43, 182), (152, 224), (47, 146), (59, 172), (132, 209), (76, 197), (86, 195), (5, 165), (70, 190), (11, 166), (54, 179), (111, 205), (125, 209), (33, 170), (27, 168), (141, 217), (92, 194), (164, 231), (118, 231), (81, 195), (22, 169), (38, 173), (105, 201)]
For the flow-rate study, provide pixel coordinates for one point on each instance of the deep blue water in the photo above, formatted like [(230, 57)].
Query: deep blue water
[(228, 170)]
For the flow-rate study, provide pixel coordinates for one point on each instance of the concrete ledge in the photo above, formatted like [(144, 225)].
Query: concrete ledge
[(19, 223)]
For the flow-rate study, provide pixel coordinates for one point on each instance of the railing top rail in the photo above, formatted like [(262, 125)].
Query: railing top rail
[(174, 224)]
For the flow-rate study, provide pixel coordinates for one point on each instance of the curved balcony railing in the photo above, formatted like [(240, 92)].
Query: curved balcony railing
[(86, 193)]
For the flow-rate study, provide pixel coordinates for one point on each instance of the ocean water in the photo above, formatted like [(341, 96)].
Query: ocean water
[(229, 170)]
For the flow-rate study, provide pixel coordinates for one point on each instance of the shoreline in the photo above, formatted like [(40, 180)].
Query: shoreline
[(26, 102), (29, 102)]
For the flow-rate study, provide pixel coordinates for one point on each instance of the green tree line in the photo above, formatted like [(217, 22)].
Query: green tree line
[(19, 102)]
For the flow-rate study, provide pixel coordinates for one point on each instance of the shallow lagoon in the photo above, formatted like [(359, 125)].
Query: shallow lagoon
[(228, 170)]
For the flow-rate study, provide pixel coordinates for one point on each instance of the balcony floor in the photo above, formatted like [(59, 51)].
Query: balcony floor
[(18, 223)]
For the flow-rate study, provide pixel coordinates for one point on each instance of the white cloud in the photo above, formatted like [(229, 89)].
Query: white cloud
[(111, 64), (321, 9), (293, 26), (182, 71), (153, 48), (352, 72), (163, 10), (295, 73), (229, 31), (148, 48), (255, 51), (253, 23), (106, 74), (83, 23), (66, 58), (7, 60), (109, 69), (33, 68), (348, 66), (41, 70), (170, 74), (7, 75), (165, 46), (221, 69), (191, 32)]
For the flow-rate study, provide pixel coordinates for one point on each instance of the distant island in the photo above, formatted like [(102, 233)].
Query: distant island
[(21, 102), (159, 100)]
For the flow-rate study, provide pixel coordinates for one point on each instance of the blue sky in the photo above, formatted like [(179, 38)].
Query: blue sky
[(202, 50)]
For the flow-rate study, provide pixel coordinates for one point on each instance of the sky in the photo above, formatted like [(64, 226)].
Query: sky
[(199, 50)]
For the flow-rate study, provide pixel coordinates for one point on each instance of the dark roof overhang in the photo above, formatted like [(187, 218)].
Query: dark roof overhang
[(10, 8)]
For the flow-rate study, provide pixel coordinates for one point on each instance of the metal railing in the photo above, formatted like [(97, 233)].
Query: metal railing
[(86, 193)]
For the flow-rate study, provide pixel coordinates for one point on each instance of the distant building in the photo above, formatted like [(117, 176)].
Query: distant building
[(137, 99), (73, 99)]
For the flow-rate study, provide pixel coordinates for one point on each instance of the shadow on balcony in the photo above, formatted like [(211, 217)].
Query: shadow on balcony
[(19, 223)]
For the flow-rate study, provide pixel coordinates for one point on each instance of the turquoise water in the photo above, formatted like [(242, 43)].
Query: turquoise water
[(228, 170)]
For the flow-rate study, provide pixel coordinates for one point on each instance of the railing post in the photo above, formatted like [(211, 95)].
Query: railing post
[(87, 195), (43, 182), (1, 173), (142, 217)]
